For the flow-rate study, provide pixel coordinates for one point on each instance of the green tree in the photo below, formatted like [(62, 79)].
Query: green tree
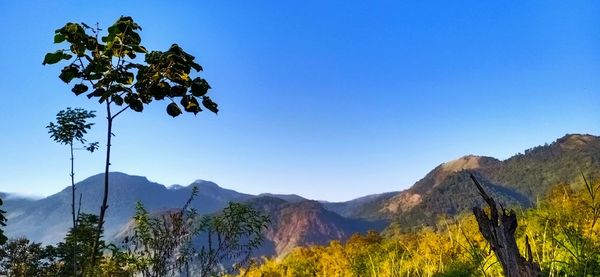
[(81, 237), (231, 238), (70, 127), (22, 258), (121, 82), (182, 241), (159, 242)]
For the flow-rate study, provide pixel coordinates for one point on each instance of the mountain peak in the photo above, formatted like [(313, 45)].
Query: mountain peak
[(175, 187), (113, 176), (577, 140), (406, 200), (460, 164), (467, 162), (203, 184)]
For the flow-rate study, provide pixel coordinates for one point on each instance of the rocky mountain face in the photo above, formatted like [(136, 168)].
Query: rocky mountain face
[(305, 222)]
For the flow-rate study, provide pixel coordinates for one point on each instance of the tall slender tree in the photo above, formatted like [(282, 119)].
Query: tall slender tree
[(70, 128), (121, 82)]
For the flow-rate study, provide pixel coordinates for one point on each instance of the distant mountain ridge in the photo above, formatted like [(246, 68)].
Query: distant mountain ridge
[(48, 219), (447, 189)]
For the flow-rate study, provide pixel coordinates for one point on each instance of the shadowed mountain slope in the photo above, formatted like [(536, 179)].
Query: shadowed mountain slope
[(48, 219)]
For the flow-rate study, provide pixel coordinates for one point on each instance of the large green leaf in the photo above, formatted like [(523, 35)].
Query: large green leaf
[(52, 58), (117, 99), (173, 110), (177, 90), (68, 73), (190, 104), (209, 104), (97, 93), (79, 89), (136, 105), (199, 87), (58, 38)]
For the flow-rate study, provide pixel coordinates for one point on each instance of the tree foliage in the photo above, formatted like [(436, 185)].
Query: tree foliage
[(80, 238), (107, 69), (159, 242), (183, 242), (563, 233), (22, 258), (231, 237), (71, 126)]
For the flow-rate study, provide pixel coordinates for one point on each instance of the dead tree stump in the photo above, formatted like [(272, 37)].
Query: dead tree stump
[(499, 231)]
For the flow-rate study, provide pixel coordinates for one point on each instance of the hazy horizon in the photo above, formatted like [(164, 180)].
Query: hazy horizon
[(34, 196)]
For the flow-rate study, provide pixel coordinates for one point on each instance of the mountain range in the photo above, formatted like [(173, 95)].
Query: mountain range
[(296, 221)]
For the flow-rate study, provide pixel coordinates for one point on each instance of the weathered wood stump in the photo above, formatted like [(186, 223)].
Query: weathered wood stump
[(499, 231)]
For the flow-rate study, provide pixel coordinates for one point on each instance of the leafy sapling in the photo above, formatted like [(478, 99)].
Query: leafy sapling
[(70, 128)]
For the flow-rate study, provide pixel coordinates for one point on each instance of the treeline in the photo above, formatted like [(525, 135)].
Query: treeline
[(562, 229)]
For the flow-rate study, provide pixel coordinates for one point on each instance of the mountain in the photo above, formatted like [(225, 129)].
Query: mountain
[(447, 189), (292, 224), (362, 207), (15, 204), (305, 223), (294, 198), (295, 221), (541, 167), (48, 219), (518, 180)]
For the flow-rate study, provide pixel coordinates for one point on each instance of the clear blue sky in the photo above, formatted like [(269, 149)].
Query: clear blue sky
[(327, 99)]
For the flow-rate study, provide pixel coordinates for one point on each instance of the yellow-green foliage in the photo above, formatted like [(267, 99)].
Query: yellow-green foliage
[(562, 231)]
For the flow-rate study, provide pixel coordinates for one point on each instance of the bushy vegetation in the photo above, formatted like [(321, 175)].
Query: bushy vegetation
[(562, 230), (176, 243), (184, 242)]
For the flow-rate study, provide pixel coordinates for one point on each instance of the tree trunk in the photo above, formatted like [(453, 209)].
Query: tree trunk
[(104, 205), (499, 232), (73, 204), (73, 187)]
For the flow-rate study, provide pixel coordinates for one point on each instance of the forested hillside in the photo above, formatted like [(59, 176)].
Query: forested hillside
[(562, 230), (519, 180)]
